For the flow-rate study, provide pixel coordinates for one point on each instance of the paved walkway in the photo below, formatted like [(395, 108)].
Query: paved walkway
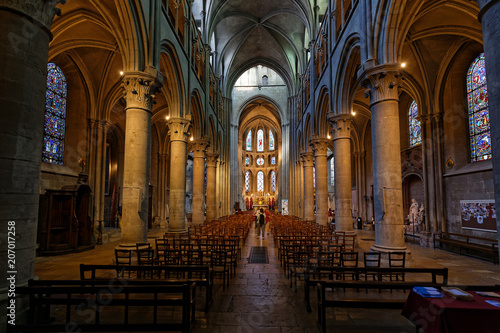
[(259, 299)]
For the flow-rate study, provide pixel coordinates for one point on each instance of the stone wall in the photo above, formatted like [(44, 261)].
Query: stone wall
[(476, 185)]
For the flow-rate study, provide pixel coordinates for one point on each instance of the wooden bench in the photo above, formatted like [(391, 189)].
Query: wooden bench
[(104, 307), (341, 299), (421, 276), (202, 275), (468, 242)]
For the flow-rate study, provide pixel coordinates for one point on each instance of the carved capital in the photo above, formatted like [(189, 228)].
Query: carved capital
[(307, 158), (200, 147), (320, 145), (42, 11), (178, 128), (140, 88), (341, 125), (105, 125), (211, 159), (382, 83)]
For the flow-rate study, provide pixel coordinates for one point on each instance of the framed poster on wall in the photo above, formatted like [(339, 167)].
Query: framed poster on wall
[(478, 214), (284, 206)]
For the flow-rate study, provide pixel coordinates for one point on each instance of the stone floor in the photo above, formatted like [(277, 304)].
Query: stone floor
[(259, 298)]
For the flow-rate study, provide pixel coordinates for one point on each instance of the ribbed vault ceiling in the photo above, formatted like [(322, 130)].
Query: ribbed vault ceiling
[(246, 33)]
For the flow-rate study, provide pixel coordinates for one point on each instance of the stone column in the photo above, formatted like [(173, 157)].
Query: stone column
[(99, 189), (178, 130), (24, 42), (320, 146), (382, 87), (211, 178), (341, 133), (139, 88), (489, 18), (308, 162), (199, 149)]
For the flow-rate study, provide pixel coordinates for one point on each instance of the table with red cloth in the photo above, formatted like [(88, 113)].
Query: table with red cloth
[(448, 315)]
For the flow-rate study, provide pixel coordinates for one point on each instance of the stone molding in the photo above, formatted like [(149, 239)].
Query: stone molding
[(382, 83), (484, 6), (178, 128), (211, 159), (341, 125), (307, 159), (320, 145), (140, 89), (200, 147), (42, 11)]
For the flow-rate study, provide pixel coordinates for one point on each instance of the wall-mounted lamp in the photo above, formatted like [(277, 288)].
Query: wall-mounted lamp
[(121, 72)]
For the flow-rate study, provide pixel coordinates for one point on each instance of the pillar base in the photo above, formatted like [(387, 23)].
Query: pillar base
[(387, 249), (177, 231)]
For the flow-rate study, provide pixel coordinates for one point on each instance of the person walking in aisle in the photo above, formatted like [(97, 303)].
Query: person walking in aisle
[(260, 225)]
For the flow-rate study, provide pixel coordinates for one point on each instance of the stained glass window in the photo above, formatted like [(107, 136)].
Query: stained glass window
[(273, 160), (260, 181), (247, 161), (415, 127), (249, 141), (314, 177), (260, 140), (55, 116), (273, 181), (271, 140), (247, 181), (479, 115), (332, 171), (260, 161)]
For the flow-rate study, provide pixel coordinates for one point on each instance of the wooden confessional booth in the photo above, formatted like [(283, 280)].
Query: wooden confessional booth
[(65, 224)]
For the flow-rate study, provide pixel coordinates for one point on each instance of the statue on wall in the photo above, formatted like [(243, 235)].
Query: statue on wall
[(421, 215), (413, 211)]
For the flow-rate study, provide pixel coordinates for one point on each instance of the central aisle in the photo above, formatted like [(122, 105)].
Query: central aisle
[(259, 300)]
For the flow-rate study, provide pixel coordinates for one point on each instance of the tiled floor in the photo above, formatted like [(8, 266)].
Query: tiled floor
[(259, 298)]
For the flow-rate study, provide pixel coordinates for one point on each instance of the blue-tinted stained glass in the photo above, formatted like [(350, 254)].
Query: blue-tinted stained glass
[(260, 161), (271, 140), (55, 116), (479, 117), (332, 171), (249, 140), (260, 140), (273, 160), (260, 181), (415, 127), (273, 181), (247, 161), (247, 181)]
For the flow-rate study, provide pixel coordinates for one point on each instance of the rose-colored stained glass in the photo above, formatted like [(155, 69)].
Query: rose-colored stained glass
[(479, 116)]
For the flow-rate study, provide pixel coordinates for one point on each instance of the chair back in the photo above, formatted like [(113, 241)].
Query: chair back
[(123, 257), (371, 259)]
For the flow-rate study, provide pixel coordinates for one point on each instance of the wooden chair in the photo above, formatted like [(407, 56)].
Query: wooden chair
[(299, 266), (349, 259), (372, 259), (397, 260), (161, 244), (123, 257), (220, 266)]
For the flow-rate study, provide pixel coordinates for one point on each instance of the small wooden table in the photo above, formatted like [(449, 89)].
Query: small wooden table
[(448, 315)]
